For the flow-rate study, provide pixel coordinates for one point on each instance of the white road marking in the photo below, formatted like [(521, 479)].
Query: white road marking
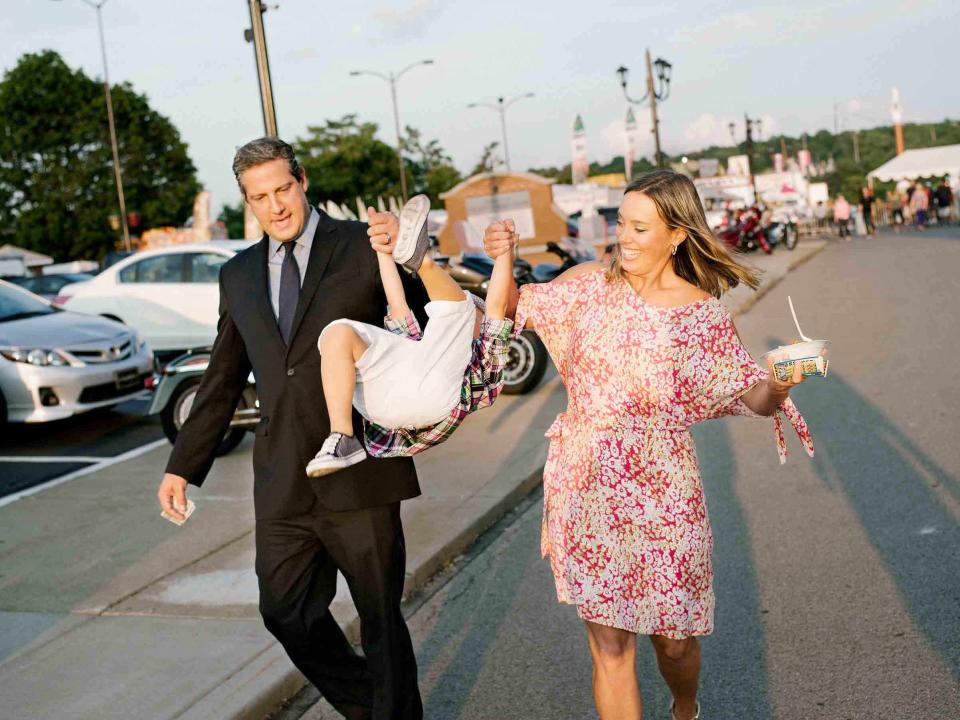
[(102, 463), (50, 459)]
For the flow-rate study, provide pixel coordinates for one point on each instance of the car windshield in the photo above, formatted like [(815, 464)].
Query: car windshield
[(16, 304)]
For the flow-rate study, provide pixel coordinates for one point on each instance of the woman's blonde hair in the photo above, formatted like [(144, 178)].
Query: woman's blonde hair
[(700, 259)]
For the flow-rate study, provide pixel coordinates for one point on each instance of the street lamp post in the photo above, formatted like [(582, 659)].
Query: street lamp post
[(501, 108), (258, 37), (664, 72), (392, 79), (117, 175)]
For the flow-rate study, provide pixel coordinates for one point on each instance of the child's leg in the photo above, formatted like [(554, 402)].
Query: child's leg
[(501, 283), (340, 348), (439, 284), (393, 287)]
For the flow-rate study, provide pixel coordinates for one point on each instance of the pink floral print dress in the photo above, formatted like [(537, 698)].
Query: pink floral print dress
[(625, 523)]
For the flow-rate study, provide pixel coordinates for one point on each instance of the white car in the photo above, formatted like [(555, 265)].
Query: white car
[(170, 295)]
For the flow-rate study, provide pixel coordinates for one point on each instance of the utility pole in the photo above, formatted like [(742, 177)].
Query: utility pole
[(750, 124), (653, 112), (256, 35), (856, 146)]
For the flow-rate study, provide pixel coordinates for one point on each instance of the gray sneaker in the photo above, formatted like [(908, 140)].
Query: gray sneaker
[(413, 241), (338, 452)]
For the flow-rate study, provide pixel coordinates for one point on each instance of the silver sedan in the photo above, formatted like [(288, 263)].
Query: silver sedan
[(55, 363)]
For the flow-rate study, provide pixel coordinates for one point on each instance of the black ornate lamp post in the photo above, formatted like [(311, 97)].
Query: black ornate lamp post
[(664, 71)]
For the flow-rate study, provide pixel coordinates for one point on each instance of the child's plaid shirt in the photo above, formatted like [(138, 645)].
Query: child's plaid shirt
[(482, 382)]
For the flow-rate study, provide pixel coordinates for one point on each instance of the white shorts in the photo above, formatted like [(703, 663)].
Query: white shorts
[(404, 383)]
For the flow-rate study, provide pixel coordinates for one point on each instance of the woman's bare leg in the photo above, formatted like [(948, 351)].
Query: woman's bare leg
[(340, 348), (615, 687), (679, 663)]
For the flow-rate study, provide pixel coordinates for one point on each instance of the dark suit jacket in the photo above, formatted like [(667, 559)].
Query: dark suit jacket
[(341, 280)]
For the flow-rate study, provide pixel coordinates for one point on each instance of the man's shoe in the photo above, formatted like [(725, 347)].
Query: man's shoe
[(413, 242), (338, 452)]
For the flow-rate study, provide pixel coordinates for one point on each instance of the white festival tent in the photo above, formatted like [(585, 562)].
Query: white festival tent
[(921, 163)]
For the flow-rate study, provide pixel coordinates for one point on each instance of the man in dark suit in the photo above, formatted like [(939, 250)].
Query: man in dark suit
[(275, 298)]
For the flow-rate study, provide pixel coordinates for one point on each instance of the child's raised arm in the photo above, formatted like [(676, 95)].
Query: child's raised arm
[(382, 230)]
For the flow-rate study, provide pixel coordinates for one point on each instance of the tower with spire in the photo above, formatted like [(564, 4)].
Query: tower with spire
[(580, 166)]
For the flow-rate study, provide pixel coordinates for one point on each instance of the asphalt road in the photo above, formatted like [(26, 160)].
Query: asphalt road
[(836, 578), (33, 454)]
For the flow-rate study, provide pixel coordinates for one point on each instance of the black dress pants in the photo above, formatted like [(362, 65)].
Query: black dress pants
[(297, 563)]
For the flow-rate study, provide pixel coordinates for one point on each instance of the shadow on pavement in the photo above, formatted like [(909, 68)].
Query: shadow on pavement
[(892, 486)]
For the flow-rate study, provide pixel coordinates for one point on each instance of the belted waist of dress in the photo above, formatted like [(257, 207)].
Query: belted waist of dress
[(564, 422)]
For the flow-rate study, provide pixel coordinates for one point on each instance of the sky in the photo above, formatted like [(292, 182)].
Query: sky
[(789, 63)]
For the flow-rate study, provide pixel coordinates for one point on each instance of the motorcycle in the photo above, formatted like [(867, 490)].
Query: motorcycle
[(175, 389), (527, 361), (746, 233), (782, 228)]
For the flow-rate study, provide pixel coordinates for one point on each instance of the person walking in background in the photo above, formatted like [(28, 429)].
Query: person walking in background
[(866, 206), (841, 216), (645, 349), (895, 202), (820, 215), (920, 205), (944, 203)]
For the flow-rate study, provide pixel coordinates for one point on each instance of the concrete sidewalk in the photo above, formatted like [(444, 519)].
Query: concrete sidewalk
[(107, 611)]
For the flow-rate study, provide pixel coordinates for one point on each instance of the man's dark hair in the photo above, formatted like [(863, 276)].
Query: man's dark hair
[(262, 150)]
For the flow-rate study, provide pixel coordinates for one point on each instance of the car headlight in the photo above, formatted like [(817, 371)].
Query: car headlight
[(34, 356)]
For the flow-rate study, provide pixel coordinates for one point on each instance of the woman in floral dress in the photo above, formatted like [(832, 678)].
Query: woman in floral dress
[(645, 350)]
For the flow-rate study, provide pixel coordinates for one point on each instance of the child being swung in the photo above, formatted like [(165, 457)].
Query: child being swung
[(413, 388)]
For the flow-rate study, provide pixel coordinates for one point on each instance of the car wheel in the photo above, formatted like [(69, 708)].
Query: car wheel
[(3, 411), (526, 364), (178, 408)]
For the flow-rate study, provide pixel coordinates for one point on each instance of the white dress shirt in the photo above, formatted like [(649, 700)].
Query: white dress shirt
[(301, 252)]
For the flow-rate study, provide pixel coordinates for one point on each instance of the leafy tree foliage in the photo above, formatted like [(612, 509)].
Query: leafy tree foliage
[(57, 189), (232, 217)]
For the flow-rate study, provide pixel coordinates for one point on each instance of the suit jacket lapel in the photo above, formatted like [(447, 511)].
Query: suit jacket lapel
[(261, 273), (325, 240)]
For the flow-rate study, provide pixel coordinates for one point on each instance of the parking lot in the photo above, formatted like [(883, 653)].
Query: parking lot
[(30, 459)]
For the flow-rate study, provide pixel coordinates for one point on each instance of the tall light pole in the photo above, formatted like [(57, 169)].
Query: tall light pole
[(501, 108), (117, 175), (392, 79), (752, 125), (257, 36), (664, 72)]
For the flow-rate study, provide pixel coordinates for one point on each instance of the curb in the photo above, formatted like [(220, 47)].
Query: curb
[(264, 684), (261, 686)]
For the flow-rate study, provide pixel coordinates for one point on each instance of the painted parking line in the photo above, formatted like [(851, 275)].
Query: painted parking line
[(99, 464), (50, 459)]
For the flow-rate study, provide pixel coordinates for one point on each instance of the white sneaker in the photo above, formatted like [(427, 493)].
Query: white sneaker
[(338, 452), (413, 241)]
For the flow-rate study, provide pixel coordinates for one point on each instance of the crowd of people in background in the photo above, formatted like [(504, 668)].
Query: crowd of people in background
[(918, 204)]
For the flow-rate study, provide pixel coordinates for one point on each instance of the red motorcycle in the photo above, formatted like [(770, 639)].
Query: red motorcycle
[(745, 233)]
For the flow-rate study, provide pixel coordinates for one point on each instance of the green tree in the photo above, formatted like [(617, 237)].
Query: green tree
[(232, 217), (57, 189), (488, 159), (344, 160), (430, 169)]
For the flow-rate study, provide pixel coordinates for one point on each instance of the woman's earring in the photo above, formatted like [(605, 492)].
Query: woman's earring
[(674, 250)]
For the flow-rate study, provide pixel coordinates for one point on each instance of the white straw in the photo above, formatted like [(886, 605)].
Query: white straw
[(796, 322)]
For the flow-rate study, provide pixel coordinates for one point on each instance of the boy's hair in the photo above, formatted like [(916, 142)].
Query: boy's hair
[(262, 150)]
